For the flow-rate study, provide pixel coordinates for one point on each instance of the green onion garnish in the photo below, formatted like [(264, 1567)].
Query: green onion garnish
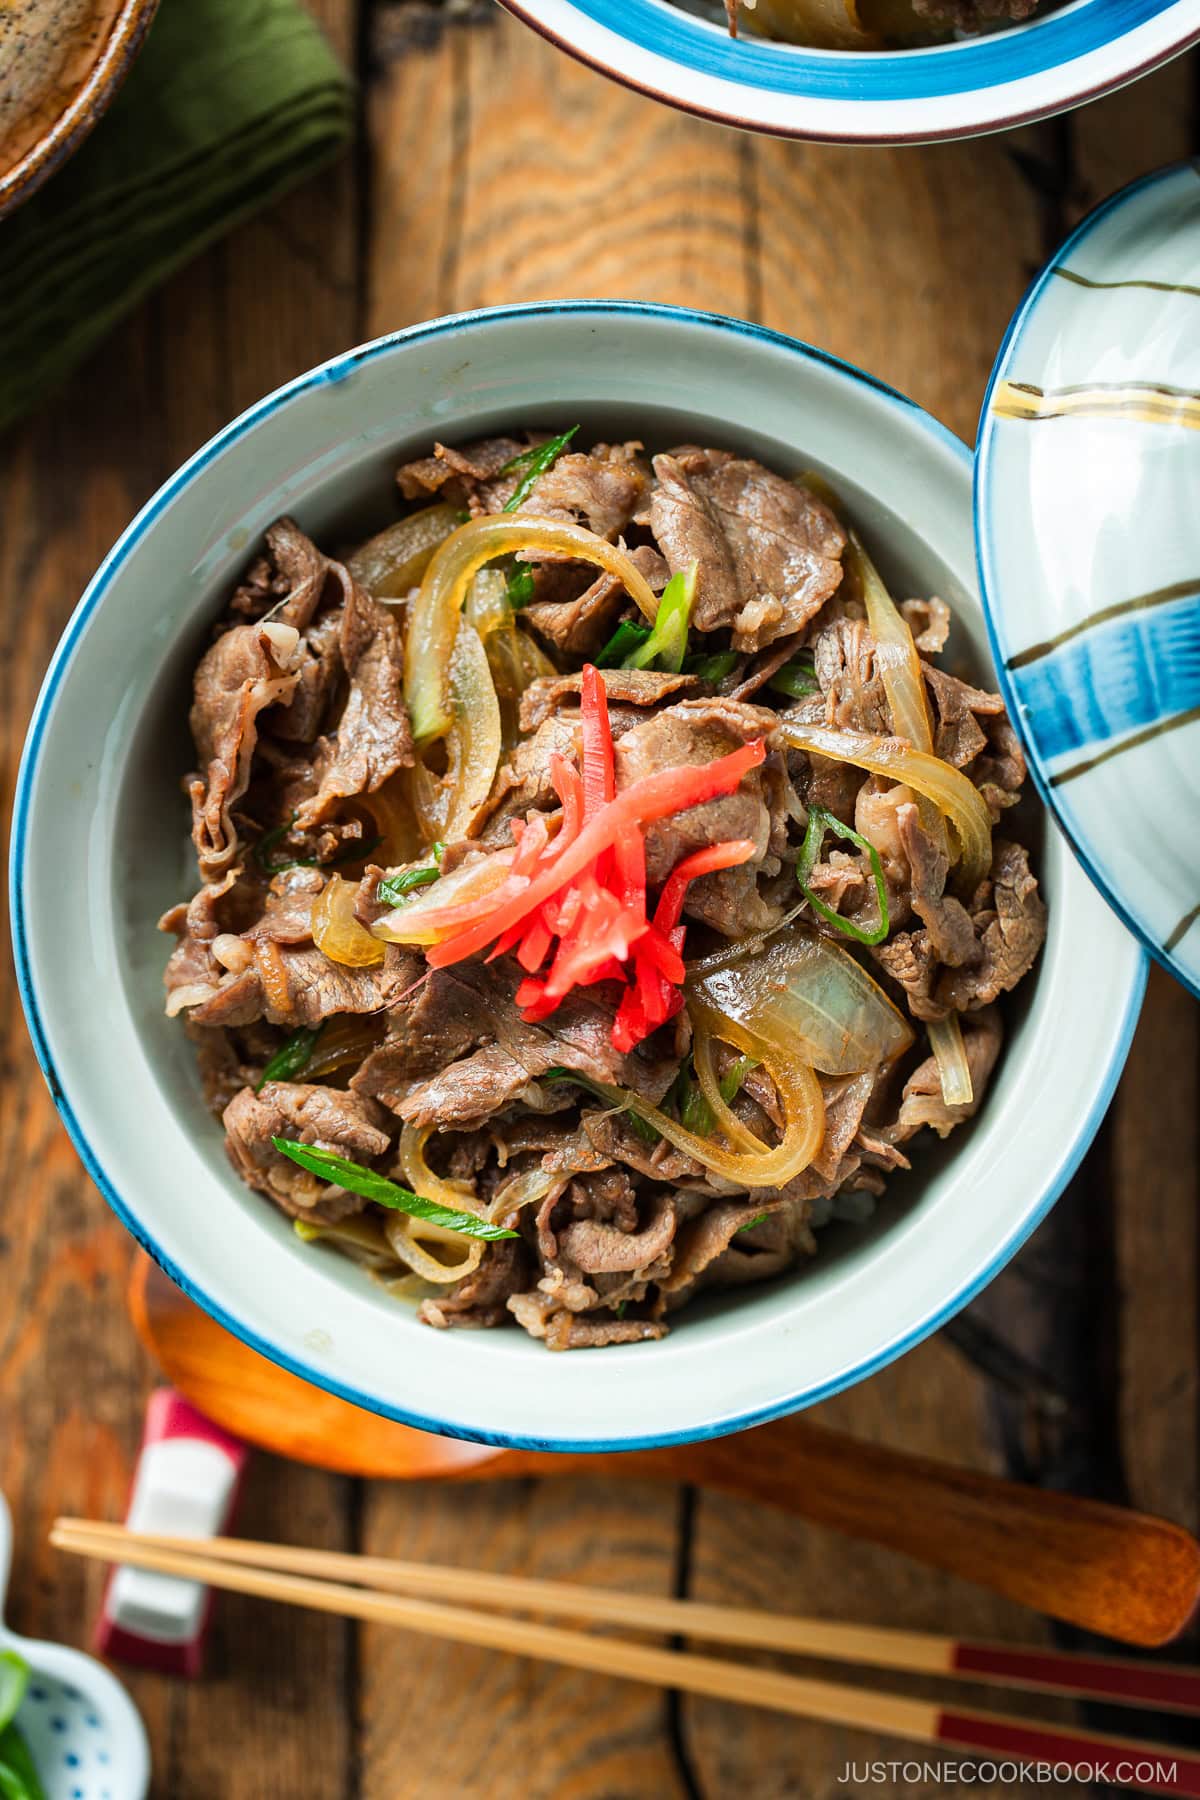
[(819, 822), (357, 1180), (532, 463), (267, 842), (630, 635), (291, 1058), (14, 1679), (667, 643), (798, 678), (696, 1114), (645, 1131), (519, 589), (394, 889), (712, 668), (751, 1223)]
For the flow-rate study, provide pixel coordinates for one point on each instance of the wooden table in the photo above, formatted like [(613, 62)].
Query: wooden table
[(491, 168)]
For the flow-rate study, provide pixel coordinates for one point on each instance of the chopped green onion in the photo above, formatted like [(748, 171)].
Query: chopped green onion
[(696, 1114), (291, 1058), (19, 1778), (519, 589), (532, 463), (267, 842), (798, 678), (619, 1308), (14, 1679), (819, 822), (646, 1132), (629, 636), (394, 889), (667, 643), (751, 1223), (357, 1180), (714, 667)]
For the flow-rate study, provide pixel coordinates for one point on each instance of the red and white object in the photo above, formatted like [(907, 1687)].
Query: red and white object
[(187, 1481)]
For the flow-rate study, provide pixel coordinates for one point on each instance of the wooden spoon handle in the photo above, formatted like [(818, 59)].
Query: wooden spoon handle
[(1117, 1572)]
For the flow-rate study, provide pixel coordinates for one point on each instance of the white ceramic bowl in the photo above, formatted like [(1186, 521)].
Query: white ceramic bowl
[(1071, 54), (98, 853)]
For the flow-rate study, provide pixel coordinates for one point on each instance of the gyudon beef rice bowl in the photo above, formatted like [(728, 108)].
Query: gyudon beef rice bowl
[(603, 883)]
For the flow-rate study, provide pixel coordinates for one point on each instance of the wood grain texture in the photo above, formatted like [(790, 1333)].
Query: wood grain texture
[(73, 1381), (496, 169)]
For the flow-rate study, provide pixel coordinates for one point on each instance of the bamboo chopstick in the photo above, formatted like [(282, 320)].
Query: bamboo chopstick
[(1160, 1768), (1117, 1679)]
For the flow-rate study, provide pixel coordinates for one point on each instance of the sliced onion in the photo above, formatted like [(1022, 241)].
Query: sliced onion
[(523, 1190), (476, 738), (825, 24), (336, 931), (345, 1042), (410, 1238), (360, 1238), (803, 1119), (433, 617), (946, 1039), (953, 795), (470, 881), (896, 654), (806, 998), (724, 1115), (391, 564)]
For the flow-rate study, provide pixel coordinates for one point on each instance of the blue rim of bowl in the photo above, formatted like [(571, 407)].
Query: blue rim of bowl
[(337, 369), (989, 583), (997, 62)]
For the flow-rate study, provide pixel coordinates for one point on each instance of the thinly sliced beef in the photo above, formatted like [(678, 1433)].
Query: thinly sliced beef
[(707, 1253), (525, 784), (372, 739), (844, 655), (600, 1248), (1009, 921), (346, 1123), (624, 687), (922, 1102), (462, 470), (947, 921), (769, 552), (473, 1054), (699, 731), (237, 679), (581, 624), (959, 737), (479, 1299), (929, 622), (301, 986), (601, 490)]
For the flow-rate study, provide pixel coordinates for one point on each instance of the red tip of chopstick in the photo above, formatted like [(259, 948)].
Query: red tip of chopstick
[(1125, 1762), (1136, 1684)]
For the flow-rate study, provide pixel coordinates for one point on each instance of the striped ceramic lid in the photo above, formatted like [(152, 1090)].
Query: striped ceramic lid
[(1087, 507)]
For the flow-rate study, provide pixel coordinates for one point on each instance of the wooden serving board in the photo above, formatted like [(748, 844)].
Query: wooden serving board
[(492, 168)]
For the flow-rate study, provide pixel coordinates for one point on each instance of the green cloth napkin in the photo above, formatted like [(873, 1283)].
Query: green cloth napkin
[(230, 103)]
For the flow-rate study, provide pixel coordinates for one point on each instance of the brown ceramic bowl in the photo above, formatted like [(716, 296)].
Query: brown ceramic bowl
[(61, 62)]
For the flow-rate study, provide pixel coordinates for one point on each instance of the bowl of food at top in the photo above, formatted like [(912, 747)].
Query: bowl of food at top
[(61, 64), (598, 902), (868, 71)]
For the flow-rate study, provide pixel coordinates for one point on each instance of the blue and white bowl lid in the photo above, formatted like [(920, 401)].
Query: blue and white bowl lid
[(1087, 515), (1066, 55)]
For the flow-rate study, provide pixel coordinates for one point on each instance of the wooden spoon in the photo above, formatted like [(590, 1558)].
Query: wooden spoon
[(1120, 1573)]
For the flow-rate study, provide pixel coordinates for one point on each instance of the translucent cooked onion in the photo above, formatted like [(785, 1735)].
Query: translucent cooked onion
[(953, 795), (433, 617), (361, 1238), (946, 1041), (476, 738), (391, 564), (803, 1119), (805, 997), (410, 1239), (523, 1190), (336, 931), (344, 1042), (726, 1119), (391, 811), (896, 653), (470, 881)]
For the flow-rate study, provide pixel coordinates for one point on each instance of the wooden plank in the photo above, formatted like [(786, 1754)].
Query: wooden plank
[(73, 1381)]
